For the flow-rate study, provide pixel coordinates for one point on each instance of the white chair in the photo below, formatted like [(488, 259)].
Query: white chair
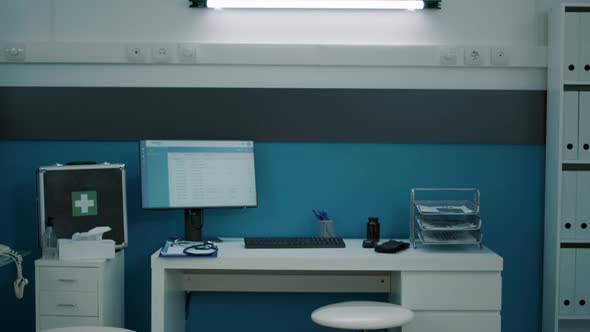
[(362, 315), (88, 329)]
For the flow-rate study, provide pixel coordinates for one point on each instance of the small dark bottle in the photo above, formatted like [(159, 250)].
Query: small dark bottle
[(373, 229)]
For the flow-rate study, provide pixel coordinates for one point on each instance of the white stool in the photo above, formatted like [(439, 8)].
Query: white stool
[(362, 315), (88, 329)]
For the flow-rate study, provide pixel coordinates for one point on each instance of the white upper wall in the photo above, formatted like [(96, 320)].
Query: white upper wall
[(512, 23)]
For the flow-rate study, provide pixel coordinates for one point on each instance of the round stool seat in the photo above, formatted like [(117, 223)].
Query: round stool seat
[(362, 315), (88, 329)]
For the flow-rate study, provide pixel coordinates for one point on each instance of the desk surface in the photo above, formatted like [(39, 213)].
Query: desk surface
[(233, 256)]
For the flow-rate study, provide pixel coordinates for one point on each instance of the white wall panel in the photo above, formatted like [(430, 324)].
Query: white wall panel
[(460, 21), (25, 20)]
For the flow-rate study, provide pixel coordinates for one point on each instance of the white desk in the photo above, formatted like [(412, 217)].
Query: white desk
[(449, 290)]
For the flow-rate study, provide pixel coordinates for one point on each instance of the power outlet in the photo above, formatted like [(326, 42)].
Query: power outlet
[(15, 52), (500, 56), (162, 53), (136, 53), (187, 53), (474, 56)]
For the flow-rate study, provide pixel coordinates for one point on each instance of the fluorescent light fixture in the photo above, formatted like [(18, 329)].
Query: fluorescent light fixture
[(318, 4)]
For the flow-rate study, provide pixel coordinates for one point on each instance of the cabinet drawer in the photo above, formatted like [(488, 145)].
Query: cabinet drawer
[(454, 322), (451, 290), (68, 303), (52, 322), (68, 279)]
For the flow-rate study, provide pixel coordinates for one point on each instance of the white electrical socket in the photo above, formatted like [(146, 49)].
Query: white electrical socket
[(500, 56), (449, 56), (136, 53), (15, 52), (187, 53), (162, 53), (474, 56)]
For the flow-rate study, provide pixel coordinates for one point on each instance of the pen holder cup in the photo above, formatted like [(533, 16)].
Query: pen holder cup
[(327, 228)]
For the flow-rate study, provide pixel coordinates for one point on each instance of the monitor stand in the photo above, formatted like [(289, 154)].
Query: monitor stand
[(193, 226)]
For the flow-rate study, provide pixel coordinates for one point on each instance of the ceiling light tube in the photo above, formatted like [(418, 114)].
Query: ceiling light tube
[(318, 4)]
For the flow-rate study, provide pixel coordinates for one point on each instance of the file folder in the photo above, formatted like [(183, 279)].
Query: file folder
[(570, 125), (572, 46), (567, 268), (582, 298), (584, 75), (569, 194), (583, 207), (584, 126)]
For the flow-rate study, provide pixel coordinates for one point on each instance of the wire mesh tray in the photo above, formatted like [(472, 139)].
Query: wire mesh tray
[(449, 208), (450, 237), (446, 223)]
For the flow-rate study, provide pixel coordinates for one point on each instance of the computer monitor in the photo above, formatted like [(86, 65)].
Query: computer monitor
[(193, 175)]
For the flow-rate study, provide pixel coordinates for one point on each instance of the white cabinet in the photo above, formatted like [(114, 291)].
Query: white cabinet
[(79, 293), (452, 301)]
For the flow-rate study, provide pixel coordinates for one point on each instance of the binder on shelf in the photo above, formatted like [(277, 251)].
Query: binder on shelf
[(569, 196), (584, 126), (584, 74), (582, 297), (572, 46), (567, 281), (583, 208), (570, 125)]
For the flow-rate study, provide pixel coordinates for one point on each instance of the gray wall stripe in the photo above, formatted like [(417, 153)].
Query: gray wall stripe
[(322, 115)]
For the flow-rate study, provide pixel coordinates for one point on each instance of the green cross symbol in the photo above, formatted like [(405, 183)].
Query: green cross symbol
[(84, 203)]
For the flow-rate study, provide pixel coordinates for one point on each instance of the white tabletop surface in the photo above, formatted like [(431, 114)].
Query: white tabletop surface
[(234, 256)]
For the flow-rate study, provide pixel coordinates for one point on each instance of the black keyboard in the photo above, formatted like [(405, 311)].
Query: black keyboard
[(293, 242)]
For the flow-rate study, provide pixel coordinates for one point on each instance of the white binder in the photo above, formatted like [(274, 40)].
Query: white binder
[(567, 269), (572, 47), (582, 305), (584, 126), (570, 125), (569, 194), (583, 206), (584, 74)]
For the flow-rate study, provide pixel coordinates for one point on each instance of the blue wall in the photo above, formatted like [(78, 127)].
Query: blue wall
[(350, 181)]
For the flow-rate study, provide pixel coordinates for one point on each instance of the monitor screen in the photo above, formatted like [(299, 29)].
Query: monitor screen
[(197, 174)]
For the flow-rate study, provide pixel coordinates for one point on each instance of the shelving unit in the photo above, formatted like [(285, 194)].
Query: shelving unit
[(445, 221), (566, 281)]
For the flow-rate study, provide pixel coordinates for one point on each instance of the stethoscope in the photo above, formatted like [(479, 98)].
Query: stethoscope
[(205, 248)]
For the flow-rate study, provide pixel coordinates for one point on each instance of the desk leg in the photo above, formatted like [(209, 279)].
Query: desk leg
[(168, 301)]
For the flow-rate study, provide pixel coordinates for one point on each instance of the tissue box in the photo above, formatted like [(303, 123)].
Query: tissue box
[(81, 250), (77, 198)]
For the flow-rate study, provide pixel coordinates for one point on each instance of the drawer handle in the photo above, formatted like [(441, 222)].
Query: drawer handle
[(67, 280), (68, 305)]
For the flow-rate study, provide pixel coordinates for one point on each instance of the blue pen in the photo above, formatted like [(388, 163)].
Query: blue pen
[(317, 214), (320, 215)]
